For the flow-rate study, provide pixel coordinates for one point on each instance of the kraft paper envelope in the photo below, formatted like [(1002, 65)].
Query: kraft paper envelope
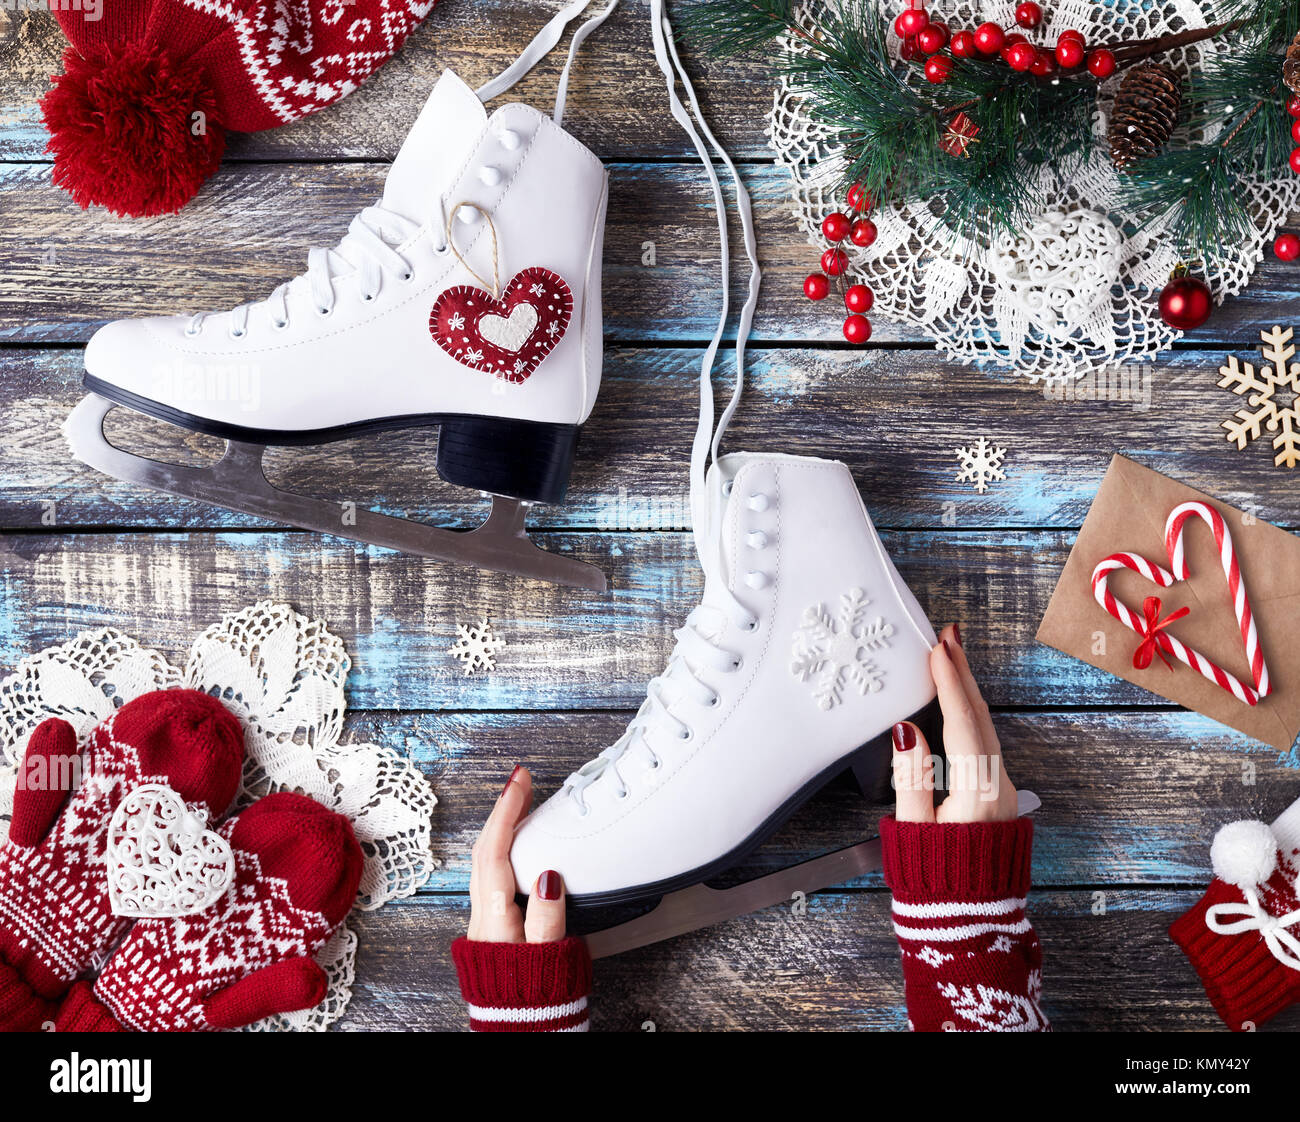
[(1129, 514)]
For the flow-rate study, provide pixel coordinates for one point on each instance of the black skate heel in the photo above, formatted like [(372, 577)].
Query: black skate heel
[(872, 764), (526, 460)]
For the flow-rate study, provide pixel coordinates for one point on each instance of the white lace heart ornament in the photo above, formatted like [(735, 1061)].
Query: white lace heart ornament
[(163, 861)]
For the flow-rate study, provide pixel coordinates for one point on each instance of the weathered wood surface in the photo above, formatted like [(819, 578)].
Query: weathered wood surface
[(567, 649), (68, 271), (895, 416)]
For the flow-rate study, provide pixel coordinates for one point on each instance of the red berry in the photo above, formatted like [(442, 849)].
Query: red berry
[(909, 50), (1101, 63), (859, 297), (834, 262), (858, 199), (1295, 130), (1069, 52), (816, 287), (1293, 106), (835, 226), (863, 232), (912, 21), (857, 329), (988, 38), (1013, 38), (1043, 66), (963, 44), (1295, 161), (1029, 14), (899, 29), (937, 69), (932, 38), (1077, 36), (1020, 56), (1287, 248)]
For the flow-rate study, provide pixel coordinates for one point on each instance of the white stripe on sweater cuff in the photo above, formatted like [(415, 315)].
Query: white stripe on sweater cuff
[(528, 1016), (942, 911)]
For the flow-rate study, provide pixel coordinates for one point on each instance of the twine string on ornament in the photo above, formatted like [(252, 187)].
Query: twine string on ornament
[(451, 243), (1252, 916)]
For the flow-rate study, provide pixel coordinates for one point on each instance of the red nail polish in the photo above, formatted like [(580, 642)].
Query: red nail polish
[(956, 634), (904, 737), (549, 885), (947, 649), (509, 781)]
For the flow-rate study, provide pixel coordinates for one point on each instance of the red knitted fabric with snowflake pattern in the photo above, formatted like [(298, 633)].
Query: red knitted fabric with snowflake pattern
[(971, 959)]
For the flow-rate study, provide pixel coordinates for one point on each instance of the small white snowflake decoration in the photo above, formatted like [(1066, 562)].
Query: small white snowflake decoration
[(980, 463), (830, 652), (1274, 401), (476, 647)]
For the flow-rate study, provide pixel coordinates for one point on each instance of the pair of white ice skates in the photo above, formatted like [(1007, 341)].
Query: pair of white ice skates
[(469, 297)]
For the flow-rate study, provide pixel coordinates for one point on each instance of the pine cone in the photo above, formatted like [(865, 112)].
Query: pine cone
[(1144, 114), (1291, 68)]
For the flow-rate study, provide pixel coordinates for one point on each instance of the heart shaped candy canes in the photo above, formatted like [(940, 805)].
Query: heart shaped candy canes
[(162, 859), (506, 337), (1174, 529)]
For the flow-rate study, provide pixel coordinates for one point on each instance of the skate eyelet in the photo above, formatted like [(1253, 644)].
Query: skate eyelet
[(621, 794), (442, 250), (509, 139), (237, 333), (280, 324), (191, 333), (726, 487), (756, 539), (715, 701), (489, 176), (736, 664), (685, 735), (367, 297), (758, 502), (407, 276), (323, 312)]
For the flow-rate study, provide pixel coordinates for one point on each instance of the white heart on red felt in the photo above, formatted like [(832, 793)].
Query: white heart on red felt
[(162, 859), (506, 337)]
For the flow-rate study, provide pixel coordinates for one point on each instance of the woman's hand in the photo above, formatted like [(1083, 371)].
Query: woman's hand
[(978, 787), (494, 916)]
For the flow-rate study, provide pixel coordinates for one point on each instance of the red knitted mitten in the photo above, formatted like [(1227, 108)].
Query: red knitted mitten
[(248, 956), (1243, 935), (524, 987), (55, 918), (971, 960)]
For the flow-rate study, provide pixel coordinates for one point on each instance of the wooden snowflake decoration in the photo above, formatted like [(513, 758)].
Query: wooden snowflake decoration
[(1274, 401)]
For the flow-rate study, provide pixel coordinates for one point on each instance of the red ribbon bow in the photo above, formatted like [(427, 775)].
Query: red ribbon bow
[(1153, 643)]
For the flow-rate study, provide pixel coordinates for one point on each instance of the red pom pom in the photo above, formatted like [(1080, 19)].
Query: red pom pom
[(1293, 105), (863, 232), (932, 38), (132, 129), (1029, 15)]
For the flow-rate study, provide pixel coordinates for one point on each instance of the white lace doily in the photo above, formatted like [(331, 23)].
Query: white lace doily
[(922, 275), (283, 676)]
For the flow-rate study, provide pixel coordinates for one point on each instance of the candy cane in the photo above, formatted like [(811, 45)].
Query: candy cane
[(1236, 586), (1184, 654)]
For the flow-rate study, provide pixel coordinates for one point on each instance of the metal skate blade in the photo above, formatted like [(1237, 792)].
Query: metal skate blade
[(702, 906), (238, 482)]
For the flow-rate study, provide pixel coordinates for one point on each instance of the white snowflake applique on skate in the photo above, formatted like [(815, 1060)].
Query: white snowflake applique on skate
[(981, 463), (476, 647), (830, 652)]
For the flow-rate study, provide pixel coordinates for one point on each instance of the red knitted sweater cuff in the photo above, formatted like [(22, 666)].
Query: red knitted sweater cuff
[(1245, 983), (524, 987), (928, 862), (21, 1009), (82, 1011)]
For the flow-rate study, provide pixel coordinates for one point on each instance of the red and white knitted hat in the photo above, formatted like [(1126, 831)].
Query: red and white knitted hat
[(1243, 935), (137, 120)]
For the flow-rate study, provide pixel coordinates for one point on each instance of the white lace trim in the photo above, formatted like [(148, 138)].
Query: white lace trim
[(922, 276), (283, 675)]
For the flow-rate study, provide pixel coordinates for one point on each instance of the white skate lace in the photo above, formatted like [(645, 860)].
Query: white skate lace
[(366, 251), (695, 649)]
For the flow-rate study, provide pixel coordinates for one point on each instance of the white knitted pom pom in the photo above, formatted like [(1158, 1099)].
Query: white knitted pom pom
[(1244, 853)]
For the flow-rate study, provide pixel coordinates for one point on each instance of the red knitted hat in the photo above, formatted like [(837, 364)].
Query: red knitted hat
[(138, 118)]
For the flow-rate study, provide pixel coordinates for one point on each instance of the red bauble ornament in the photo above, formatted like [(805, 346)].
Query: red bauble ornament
[(1295, 161), (1029, 14), (816, 287), (1044, 65), (1293, 106), (963, 45), (937, 69), (858, 199), (835, 226), (863, 232), (859, 297), (988, 38), (1069, 52), (1295, 130), (933, 37), (912, 22), (857, 329), (1185, 303), (1020, 56), (1287, 248), (834, 262), (1101, 63)]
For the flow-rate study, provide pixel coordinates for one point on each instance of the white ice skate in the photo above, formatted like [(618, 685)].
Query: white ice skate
[(468, 297)]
